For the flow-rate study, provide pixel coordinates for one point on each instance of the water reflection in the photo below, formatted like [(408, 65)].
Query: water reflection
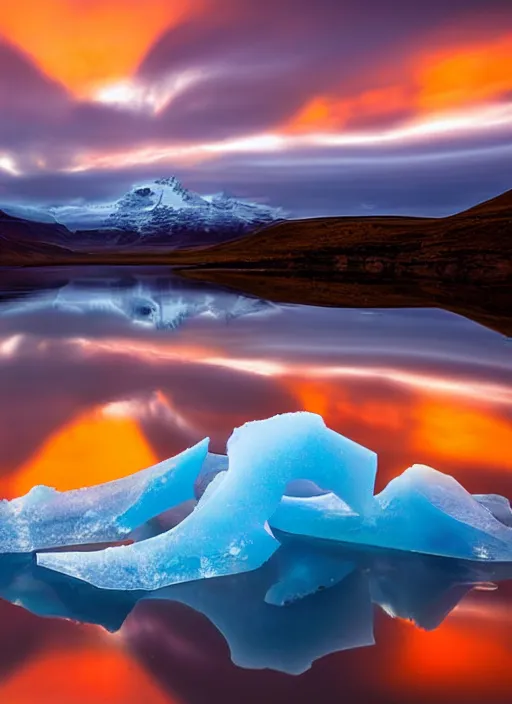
[(308, 601), (160, 303), (88, 395)]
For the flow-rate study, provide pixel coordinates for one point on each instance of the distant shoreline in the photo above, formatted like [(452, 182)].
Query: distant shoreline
[(462, 263)]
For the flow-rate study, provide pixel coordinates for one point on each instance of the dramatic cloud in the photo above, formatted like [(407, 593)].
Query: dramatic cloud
[(86, 43), (94, 95)]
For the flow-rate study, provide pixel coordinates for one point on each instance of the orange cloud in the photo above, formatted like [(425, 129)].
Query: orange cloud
[(465, 75), (331, 113), (86, 45), (91, 449), (433, 81)]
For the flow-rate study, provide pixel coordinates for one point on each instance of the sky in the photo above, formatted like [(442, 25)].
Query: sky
[(325, 107)]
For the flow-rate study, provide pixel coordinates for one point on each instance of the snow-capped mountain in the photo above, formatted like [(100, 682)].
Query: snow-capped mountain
[(152, 215), (163, 208)]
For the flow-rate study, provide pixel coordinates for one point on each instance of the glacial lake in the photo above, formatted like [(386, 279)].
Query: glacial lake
[(105, 372)]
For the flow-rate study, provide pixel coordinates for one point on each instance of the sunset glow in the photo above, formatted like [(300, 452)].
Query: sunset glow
[(94, 448), (450, 655), (470, 388), (450, 422), (433, 83), (81, 677), (207, 89), (87, 45), (217, 218)]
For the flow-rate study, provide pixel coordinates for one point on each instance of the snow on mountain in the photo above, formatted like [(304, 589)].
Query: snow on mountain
[(164, 207)]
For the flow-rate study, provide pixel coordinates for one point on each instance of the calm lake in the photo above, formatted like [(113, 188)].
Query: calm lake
[(104, 373)]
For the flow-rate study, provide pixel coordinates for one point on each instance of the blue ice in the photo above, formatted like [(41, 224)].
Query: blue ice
[(228, 532), (46, 518), (287, 638), (422, 510), (272, 465), (310, 599), (499, 506)]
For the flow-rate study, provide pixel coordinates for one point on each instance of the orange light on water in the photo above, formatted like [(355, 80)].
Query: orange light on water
[(414, 426), (332, 400), (452, 657), (462, 434), (82, 676), (314, 396), (95, 447)]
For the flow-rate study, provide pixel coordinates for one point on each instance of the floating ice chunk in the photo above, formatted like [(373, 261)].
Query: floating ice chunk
[(422, 510), (228, 531), (213, 465), (499, 506), (46, 518), (163, 522)]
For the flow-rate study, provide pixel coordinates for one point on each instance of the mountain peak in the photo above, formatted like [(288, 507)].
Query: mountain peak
[(170, 181), (164, 208)]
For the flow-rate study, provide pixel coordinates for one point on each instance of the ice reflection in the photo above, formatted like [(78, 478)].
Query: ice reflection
[(309, 600)]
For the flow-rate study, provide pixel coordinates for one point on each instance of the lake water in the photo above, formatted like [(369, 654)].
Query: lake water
[(105, 373)]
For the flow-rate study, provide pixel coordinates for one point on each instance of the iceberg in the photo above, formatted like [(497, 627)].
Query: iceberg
[(46, 518), (499, 506), (212, 466), (422, 510), (228, 532), (289, 474)]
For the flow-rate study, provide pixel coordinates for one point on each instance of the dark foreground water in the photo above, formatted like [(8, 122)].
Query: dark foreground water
[(103, 375)]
